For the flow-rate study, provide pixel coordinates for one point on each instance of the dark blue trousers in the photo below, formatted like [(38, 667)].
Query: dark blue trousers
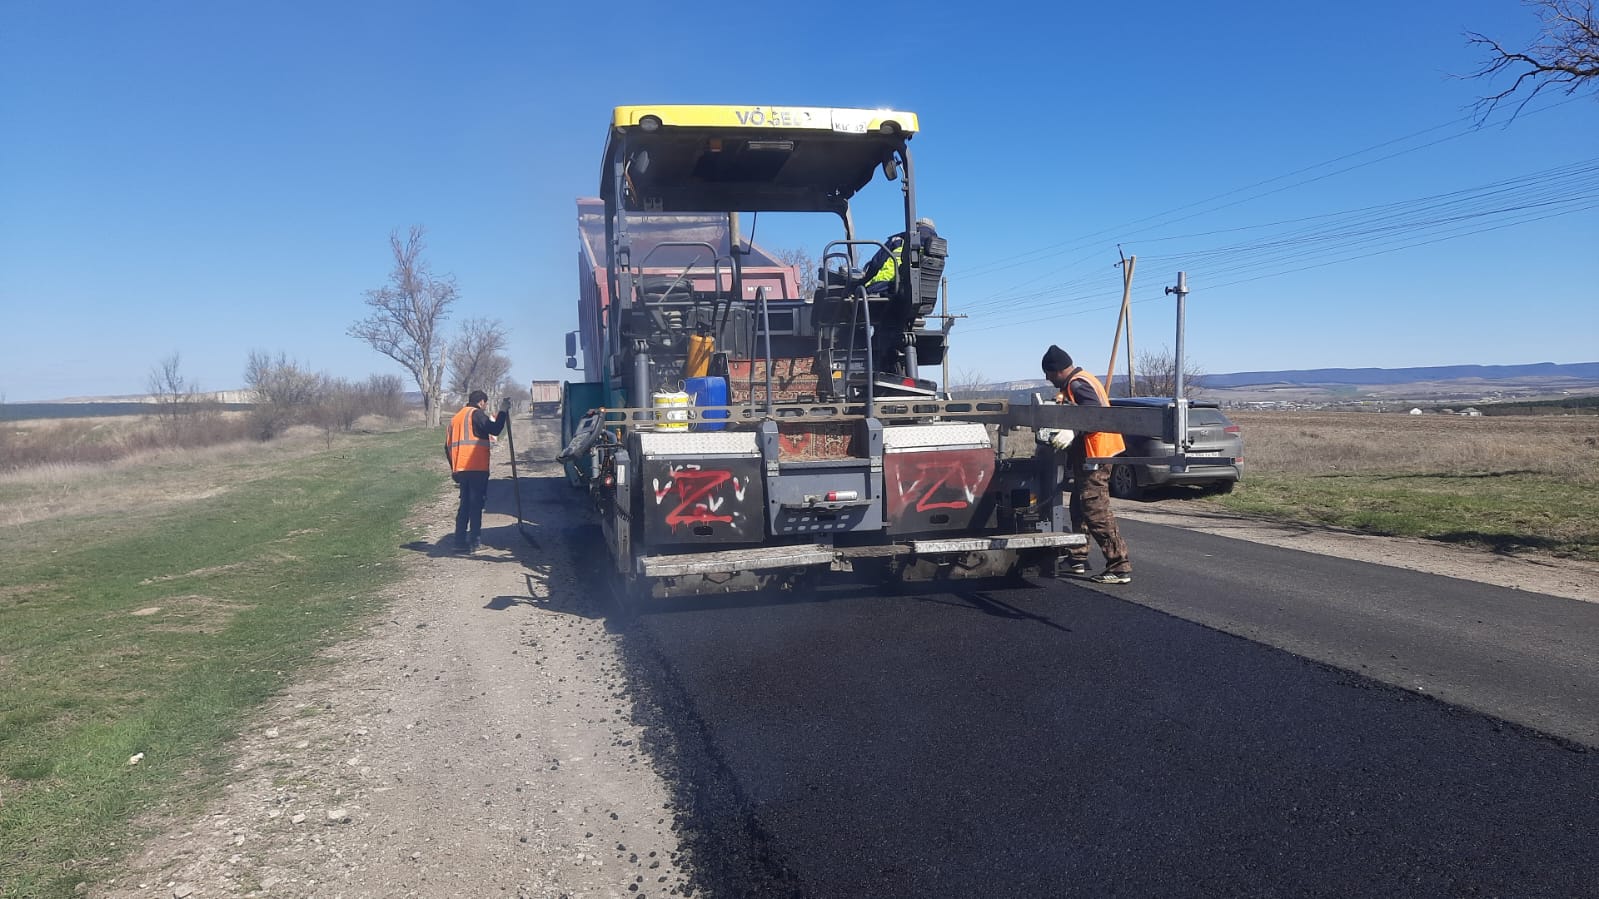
[(474, 493)]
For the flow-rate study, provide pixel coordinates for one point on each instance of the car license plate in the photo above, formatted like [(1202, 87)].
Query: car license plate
[(1203, 453)]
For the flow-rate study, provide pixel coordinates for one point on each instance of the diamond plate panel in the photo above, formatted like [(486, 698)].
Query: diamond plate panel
[(717, 443), (950, 435)]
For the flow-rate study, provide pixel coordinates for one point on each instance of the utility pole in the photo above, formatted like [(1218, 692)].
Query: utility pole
[(1127, 265), (943, 288), (949, 322), (1178, 399)]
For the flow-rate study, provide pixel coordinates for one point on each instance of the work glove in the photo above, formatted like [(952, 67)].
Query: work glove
[(505, 404), (1059, 439)]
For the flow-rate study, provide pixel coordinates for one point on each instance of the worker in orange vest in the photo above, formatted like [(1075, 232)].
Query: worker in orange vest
[(1090, 497), (466, 446)]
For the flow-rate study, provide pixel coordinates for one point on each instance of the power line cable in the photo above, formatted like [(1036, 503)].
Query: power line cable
[(1350, 228), (1058, 249), (1248, 273)]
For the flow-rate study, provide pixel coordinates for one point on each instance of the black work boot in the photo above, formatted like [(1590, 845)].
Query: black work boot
[(1067, 567)]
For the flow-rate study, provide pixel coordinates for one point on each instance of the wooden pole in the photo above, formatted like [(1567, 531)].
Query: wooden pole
[(1132, 382), (1126, 315)]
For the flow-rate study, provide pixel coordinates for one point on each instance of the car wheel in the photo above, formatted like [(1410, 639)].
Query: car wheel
[(1124, 483), (1221, 487)]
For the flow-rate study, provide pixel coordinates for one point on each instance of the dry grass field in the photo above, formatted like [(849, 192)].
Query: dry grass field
[(146, 480), (1513, 484), (28, 443)]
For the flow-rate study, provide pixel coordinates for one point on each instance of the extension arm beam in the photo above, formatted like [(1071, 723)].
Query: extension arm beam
[(1139, 422)]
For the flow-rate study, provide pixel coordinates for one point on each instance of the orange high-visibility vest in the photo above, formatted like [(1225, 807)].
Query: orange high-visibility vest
[(467, 451), (1098, 444)]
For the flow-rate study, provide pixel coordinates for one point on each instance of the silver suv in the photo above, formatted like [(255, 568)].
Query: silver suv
[(1212, 435)]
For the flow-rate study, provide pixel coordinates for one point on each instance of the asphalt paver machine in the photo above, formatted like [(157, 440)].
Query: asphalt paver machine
[(735, 432)]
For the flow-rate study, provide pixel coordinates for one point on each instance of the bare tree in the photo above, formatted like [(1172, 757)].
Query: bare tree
[(282, 381), (174, 394), (1157, 374), (476, 357), (1565, 55), (283, 391), (407, 318), (515, 391), (806, 263), (385, 395), (341, 404), (968, 384)]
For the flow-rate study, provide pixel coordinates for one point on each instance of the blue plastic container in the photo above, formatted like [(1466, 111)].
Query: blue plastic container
[(708, 392)]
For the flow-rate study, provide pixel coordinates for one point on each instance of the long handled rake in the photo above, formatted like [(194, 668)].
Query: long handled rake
[(516, 488)]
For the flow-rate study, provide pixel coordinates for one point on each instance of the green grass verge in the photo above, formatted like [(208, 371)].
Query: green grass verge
[(1501, 511), (249, 585)]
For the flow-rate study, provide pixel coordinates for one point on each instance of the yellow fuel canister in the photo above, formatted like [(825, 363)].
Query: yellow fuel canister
[(671, 411)]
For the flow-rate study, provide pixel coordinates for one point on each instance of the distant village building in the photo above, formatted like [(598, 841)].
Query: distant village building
[(1470, 412), (1416, 411)]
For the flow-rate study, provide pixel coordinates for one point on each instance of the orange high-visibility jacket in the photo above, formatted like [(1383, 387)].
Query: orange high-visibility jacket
[(467, 451), (1098, 444)]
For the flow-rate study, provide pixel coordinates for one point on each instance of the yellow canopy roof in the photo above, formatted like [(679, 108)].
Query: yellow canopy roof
[(748, 158), (823, 118)]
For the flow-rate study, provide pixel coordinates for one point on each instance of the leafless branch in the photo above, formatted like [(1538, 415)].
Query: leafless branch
[(1564, 56), (476, 358), (1157, 374), (407, 315), (284, 393), (806, 263), (968, 383), (174, 394)]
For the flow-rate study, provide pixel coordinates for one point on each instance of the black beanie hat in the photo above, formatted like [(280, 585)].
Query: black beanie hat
[(1057, 359)]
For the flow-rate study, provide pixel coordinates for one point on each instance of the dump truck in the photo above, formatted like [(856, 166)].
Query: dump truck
[(735, 431), (544, 399)]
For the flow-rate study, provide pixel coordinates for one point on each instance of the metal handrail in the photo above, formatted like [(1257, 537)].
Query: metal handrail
[(716, 270), (990, 410), (766, 329), (855, 308)]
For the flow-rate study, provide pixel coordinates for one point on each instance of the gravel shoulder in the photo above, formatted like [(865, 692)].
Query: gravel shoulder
[(478, 738)]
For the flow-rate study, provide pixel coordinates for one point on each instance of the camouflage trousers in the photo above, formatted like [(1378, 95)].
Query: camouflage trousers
[(1091, 515)]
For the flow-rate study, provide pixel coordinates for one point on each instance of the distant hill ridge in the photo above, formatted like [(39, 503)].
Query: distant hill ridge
[(1588, 371)]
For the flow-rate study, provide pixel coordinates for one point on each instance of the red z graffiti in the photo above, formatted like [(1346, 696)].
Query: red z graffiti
[(698, 501), (946, 481), (939, 475)]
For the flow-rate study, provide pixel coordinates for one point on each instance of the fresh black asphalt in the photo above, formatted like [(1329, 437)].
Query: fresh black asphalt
[(1059, 739), (1522, 656)]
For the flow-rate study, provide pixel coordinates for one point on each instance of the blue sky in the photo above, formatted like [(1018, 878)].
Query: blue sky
[(214, 178)]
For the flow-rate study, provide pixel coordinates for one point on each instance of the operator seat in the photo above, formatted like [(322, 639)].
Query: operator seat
[(935, 250), (903, 316)]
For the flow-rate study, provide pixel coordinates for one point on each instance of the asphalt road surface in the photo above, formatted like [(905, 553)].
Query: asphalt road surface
[(1065, 739)]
